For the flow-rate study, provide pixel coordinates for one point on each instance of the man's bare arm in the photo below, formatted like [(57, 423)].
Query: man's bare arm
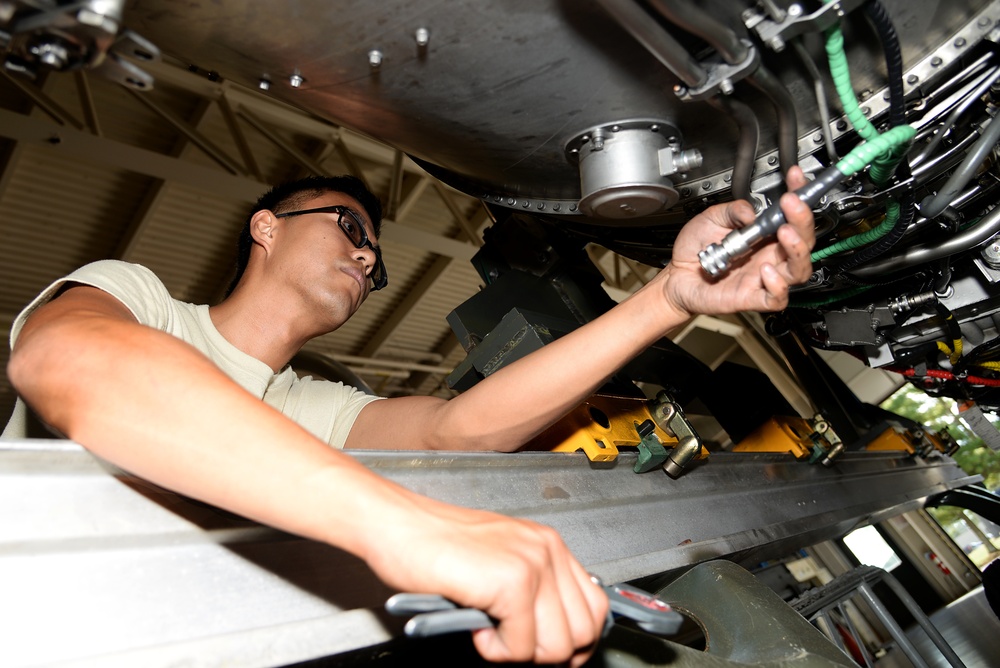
[(508, 408), (155, 406)]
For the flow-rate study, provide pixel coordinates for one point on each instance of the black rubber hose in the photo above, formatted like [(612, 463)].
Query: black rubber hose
[(893, 60), (746, 148), (784, 106)]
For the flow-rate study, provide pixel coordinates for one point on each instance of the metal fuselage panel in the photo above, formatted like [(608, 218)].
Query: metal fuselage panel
[(500, 88)]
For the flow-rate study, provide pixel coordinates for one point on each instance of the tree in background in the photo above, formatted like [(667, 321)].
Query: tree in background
[(940, 413)]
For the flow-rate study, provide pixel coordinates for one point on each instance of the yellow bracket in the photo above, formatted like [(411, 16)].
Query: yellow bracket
[(892, 440), (599, 426), (781, 434)]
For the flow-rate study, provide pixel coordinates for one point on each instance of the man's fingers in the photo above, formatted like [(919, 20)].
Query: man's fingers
[(795, 179), (775, 288)]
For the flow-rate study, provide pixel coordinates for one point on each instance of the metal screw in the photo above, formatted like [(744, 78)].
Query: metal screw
[(795, 10), (616, 128), (865, 94), (866, 111), (685, 192), (510, 201), (984, 21), (818, 137), (422, 36), (772, 160), (726, 86), (375, 58), (912, 79), (680, 90), (654, 128), (728, 178), (264, 83), (572, 207), (886, 95), (841, 125), (960, 42), (777, 44), (296, 80), (526, 204), (936, 61), (556, 207), (541, 206), (52, 55), (706, 185)]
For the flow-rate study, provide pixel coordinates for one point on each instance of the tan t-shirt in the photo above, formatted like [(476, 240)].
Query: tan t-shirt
[(327, 409)]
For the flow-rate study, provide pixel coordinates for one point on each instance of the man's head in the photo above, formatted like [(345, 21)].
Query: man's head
[(290, 196)]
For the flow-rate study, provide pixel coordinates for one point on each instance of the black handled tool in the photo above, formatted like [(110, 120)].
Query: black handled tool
[(435, 615)]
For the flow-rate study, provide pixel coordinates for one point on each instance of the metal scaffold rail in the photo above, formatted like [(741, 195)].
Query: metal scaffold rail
[(126, 573)]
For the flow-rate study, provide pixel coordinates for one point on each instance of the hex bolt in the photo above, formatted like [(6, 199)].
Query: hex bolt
[(422, 36), (598, 142), (296, 80), (375, 58), (52, 55)]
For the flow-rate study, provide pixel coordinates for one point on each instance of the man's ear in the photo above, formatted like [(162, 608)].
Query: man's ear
[(262, 228)]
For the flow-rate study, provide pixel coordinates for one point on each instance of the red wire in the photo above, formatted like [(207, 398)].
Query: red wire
[(947, 375)]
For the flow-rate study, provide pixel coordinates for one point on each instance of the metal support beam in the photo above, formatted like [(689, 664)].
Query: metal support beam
[(89, 149), (280, 142), (53, 109), (239, 138), (409, 303), (87, 102), (199, 140), (130, 551)]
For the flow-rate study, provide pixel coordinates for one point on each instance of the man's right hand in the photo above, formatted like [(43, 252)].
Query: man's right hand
[(519, 572)]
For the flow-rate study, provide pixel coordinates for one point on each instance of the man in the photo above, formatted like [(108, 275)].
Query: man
[(157, 406)]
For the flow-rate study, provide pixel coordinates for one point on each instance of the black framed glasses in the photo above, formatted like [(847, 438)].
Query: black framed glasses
[(352, 226)]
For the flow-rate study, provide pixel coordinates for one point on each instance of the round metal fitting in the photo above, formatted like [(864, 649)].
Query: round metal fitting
[(375, 58), (620, 170), (422, 36), (991, 254), (296, 80)]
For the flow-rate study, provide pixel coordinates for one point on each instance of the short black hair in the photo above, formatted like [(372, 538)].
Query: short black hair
[(288, 196)]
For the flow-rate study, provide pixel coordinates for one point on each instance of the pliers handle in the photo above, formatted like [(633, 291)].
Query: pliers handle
[(435, 615)]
